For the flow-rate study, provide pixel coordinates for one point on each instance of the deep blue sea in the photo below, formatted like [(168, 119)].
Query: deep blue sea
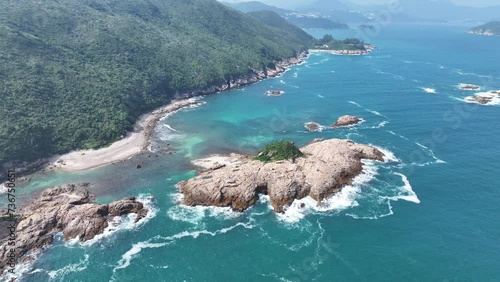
[(431, 213)]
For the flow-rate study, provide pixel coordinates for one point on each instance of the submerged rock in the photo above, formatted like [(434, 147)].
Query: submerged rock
[(346, 121), (464, 86), (326, 167), (68, 209), (312, 126), (485, 98), (275, 93)]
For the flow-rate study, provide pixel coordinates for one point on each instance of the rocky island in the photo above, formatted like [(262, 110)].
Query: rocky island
[(485, 98), (349, 46), (68, 209), (281, 171), (346, 121), (489, 29), (467, 86), (313, 126), (275, 93)]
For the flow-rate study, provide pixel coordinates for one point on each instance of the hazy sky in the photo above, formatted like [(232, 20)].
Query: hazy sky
[(292, 3)]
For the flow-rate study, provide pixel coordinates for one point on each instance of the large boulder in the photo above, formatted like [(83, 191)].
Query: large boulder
[(68, 209)]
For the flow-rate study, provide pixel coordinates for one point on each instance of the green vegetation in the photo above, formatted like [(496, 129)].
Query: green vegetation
[(77, 74), (491, 28), (330, 43), (278, 151)]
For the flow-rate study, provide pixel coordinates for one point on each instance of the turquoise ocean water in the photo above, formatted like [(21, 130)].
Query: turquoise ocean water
[(431, 213)]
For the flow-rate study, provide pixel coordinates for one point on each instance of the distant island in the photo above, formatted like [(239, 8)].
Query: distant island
[(489, 29), (349, 46), (367, 27)]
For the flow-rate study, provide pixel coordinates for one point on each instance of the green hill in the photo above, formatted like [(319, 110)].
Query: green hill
[(281, 25), (78, 73), (491, 28), (323, 23)]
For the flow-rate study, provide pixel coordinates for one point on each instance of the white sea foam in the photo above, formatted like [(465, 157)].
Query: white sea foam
[(282, 81), (321, 96), (407, 193), (76, 267), (368, 110), (120, 223), (136, 248), (342, 200), (296, 74), (380, 125), (22, 268), (197, 103), (196, 214), (389, 156), (167, 133), (429, 90)]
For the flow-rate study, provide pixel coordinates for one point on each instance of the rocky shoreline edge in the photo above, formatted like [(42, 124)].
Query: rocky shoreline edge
[(138, 140), (236, 181), (68, 209), (368, 50)]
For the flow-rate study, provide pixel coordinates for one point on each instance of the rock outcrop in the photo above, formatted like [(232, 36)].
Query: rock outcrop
[(68, 209), (326, 167), (312, 126), (346, 121), (471, 87), (485, 98), (275, 93)]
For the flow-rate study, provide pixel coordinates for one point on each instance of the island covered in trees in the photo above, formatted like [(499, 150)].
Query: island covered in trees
[(349, 46)]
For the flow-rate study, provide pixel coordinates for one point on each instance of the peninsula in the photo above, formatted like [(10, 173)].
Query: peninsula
[(488, 29), (281, 171)]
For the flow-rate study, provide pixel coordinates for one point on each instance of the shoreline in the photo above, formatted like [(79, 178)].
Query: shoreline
[(369, 49), (139, 139)]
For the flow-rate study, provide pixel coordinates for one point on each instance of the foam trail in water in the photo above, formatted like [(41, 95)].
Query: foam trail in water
[(124, 262), (321, 96), (196, 214), (429, 90), (410, 196), (368, 110), (77, 267)]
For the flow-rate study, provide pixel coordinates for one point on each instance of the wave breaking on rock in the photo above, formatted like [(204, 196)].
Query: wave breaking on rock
[(324, 169)]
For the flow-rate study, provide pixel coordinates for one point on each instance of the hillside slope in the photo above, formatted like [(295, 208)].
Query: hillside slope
[(489, 29), (78, 73)]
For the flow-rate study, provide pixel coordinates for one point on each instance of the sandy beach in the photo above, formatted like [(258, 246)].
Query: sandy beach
[(138, 140), (134, 143)]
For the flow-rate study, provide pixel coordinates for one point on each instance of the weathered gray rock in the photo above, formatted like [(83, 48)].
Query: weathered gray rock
[(327, 166), (346, 121), (68, 209), (312, 126)]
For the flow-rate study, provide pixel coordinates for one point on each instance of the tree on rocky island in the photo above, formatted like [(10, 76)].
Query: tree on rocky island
[(279, 151)]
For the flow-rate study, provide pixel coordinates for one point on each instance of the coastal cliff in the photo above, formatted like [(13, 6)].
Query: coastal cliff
[(68, 209), (236, 181)]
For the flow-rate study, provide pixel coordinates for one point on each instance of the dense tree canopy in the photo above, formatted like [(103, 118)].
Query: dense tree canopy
[(78, 73)]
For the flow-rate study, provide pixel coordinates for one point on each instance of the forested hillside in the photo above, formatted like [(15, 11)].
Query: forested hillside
[(78, 73)]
